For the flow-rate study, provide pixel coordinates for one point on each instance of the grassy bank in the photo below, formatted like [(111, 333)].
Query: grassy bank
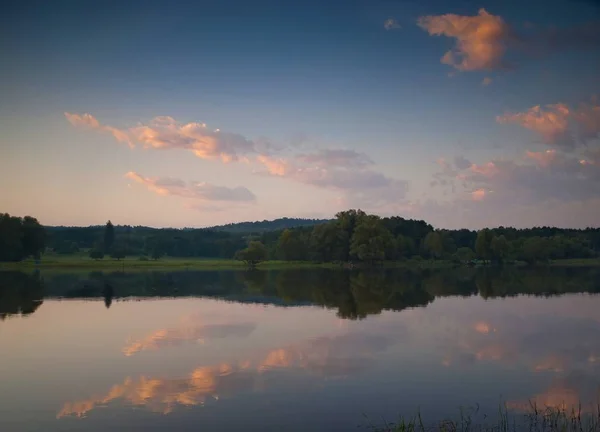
[(536, 419), (83, 262)]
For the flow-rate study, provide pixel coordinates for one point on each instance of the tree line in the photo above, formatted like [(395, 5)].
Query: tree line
[(352, 236)]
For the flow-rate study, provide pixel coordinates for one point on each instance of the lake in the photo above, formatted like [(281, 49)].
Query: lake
[(302, 350)]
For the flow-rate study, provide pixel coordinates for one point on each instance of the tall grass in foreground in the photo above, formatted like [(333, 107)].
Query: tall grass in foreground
[(547, 419)]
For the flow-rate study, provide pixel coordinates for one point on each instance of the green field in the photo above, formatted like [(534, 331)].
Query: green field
[(134, 262), (82, 261)]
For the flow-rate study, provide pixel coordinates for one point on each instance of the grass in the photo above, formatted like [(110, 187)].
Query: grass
[(83, 262), (75, 262), (548, 419)]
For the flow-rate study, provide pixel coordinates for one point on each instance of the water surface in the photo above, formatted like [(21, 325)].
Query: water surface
[(291, 350)]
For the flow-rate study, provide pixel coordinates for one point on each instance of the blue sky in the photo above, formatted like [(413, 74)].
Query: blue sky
[(330, 109)]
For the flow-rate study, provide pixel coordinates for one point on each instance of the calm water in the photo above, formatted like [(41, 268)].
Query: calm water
[(291, 351)]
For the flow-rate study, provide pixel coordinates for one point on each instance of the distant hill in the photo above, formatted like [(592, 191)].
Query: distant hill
[(263, 226)]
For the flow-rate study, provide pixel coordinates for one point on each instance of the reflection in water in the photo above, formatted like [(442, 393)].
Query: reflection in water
[(573, 392), (191, 329), (332, 357), (544, 343), (20, 294), (449, 342), (354, 294)]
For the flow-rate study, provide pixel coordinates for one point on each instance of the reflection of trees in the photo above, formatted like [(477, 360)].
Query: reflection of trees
[(354, 294), (20, 293)]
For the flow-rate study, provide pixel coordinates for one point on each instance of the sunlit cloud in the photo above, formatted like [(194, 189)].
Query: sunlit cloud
[(486, 81), (89, 121), (345, 171), (193, 190), (483, 40), (164, 132), (558, 124), (544, 158), (478, 194), (480, 39), (391, 24)]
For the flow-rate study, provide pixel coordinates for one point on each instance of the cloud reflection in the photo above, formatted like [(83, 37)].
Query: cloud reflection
[(188, 332), (328, 356)]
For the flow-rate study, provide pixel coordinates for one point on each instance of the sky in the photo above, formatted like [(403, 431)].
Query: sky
[(190, 114)]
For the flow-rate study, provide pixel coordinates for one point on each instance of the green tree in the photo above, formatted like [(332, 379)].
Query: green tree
[(483, 242), (348, 221), (433, 244), (118, 252), (325, 242), (499, 248), (156, 252), (371, 240), (291, 246), (20, 237), (96, 254), (464, 254), (11, 246), (33, 237), (536, 249), (255, 253), (109, 236)]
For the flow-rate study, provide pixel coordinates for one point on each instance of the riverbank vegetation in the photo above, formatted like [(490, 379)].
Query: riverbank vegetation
[(352, 238), (560, 418)]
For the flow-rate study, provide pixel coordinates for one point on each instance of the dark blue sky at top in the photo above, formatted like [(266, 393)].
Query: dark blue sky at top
[(326, 70)]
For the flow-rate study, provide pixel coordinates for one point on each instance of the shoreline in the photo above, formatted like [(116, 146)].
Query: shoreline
[(84, 263)]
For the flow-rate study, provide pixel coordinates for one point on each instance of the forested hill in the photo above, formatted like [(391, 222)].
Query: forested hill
[(265, 226)]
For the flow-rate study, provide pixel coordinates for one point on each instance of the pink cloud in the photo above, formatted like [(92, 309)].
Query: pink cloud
[(551, 123), (478, 195), (202, 191), (480, 39), (544, 158), (89, 121), (165, 132), (486, 81), (558, 124), (487, 170), (344, 171)]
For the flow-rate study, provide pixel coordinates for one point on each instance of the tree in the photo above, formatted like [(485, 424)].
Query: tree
[(20, 237), (156, 252), (255, 253), (499, 248), (291, 247), (34, 237), (371, 240), (464, 254), (348, 221), (96, 254), (109, 236), (433, 244), (535, 249), (325, 242), (118, 252), (483, 244)]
